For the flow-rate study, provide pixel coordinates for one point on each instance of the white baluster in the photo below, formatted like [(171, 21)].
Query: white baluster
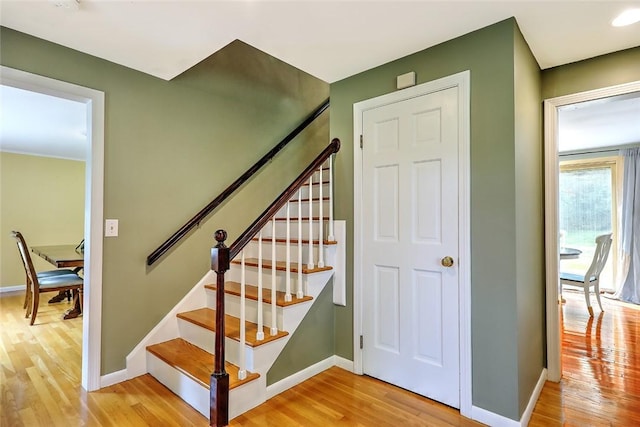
[(242, 371), (300, 293), (287, 293), (274, 327), (320, 225), (310, 260), (331, 236), (260, 332)]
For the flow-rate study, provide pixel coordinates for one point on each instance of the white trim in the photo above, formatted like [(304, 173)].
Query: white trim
[(343, 363), (167, 328), (113, 378), (462, 81), (299, 377), (551, 106), (496, 420), (94, 184), (11, 289), (492, 419), (526, 415)]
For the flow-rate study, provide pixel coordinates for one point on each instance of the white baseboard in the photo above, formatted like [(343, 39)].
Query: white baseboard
[(300, 376), (492, 419), (526, 416), (343, 363), (12, 289), (495, 420), (113, 378)]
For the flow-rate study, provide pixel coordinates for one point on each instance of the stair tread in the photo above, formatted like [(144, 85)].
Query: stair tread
[(206, 318), (294, 241), (251, 292), (304, 218), (313, 199), (281, 265), (195, 362)]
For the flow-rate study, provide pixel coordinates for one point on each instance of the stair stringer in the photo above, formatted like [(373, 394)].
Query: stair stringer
[(167, 328)]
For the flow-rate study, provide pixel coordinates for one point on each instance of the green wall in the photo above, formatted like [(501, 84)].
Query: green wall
[(170, 147), (497, 142), (43, 198), (595, 73), (530, 272)]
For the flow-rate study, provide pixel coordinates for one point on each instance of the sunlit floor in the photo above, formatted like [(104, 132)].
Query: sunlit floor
[(601, 367), (41, 369)]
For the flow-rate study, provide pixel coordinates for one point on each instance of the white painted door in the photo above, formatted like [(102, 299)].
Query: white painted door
[(410, 223)]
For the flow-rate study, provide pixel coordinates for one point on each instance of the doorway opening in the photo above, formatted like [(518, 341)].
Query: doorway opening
[(553, 168), (93, 209)]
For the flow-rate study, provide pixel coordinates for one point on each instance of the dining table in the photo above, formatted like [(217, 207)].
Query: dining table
[(569, 253), (64, 256)]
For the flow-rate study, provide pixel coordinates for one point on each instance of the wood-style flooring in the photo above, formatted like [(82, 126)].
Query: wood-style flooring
[(600, 367), (40, 380)]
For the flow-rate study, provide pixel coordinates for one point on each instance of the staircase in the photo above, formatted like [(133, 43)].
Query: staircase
[(270, 286)]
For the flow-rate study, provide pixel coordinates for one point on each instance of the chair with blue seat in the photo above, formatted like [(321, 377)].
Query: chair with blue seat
[(47, 281), (592, 276)]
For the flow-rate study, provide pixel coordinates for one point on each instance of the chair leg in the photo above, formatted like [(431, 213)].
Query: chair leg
[(36, 301), (588, 300), (596, 288)]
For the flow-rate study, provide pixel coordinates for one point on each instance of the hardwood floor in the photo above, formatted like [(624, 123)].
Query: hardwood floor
[(40, 379), (600, 367)]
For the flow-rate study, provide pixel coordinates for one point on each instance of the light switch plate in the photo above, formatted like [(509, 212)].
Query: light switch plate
[(111, 228)]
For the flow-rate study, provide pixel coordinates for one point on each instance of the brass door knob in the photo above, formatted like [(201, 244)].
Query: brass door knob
[(447, 261)]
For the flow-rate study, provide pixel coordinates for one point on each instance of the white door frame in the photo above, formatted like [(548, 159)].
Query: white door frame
[(462, 81), (93, 209), (552, 170)]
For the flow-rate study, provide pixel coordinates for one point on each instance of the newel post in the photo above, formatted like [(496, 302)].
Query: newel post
[(219, 397)]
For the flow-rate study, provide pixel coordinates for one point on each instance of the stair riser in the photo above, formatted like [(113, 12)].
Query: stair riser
[(281, 229), (293, 209), (232, 307), (241, 399), (315, 191), (251, 251), (205, 339)]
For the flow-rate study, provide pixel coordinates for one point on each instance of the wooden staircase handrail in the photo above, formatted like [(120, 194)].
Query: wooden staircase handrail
[(204, 212), (221, 256), (282, 200)]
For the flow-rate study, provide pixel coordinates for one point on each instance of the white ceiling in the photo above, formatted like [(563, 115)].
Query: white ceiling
[(607, 122), (328, 39)]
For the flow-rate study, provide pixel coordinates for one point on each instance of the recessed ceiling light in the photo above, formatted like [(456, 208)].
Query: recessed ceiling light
[(627, 17)]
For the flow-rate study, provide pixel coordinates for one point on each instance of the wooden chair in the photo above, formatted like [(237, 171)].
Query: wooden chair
[(51, 281), (41, 274), (592, 276)]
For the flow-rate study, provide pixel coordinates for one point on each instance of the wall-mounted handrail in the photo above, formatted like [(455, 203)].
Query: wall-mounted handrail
[(200, 216)]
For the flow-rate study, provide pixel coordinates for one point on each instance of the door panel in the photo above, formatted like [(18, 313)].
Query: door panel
[(410, 222)]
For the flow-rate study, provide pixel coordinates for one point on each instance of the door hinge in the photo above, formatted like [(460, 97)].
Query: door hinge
[(361, 342), (361, 142)]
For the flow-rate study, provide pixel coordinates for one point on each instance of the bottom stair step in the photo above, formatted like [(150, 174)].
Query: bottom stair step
[(195, 362)]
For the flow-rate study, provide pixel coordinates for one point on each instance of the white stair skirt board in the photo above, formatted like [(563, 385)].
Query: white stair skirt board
[(241, 398), (167, 328), (495, 420)]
